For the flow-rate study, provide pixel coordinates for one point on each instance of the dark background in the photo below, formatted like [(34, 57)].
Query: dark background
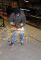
[(23, 0)]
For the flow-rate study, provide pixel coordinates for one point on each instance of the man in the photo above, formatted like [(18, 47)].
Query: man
[(17, 18)]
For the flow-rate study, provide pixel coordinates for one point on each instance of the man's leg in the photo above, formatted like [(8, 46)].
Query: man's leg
[(22, 37), (14, 35)]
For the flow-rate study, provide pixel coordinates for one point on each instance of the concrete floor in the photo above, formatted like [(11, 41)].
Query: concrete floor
[(31, 49)]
